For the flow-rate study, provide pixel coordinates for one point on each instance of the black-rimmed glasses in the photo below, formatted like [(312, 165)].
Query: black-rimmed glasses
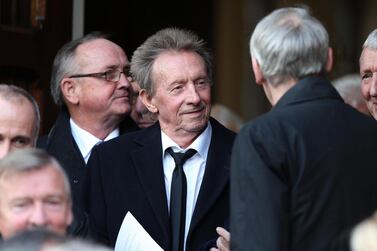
[(110, 75)]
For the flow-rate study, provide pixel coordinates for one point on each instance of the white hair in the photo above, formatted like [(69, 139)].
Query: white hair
[(289, 44)]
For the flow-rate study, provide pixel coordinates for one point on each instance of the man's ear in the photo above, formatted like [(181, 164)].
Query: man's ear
[(330, 60), (69, 90), (147, 101), (259, 78)]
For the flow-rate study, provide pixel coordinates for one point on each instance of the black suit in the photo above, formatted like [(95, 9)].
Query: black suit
[(303, 172), (60, 144), (126, 174)]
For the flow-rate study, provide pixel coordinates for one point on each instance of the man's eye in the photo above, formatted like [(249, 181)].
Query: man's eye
[(366, 75), (54, 202), (21, 141), (20, 206), (201, 83), (176, 88)]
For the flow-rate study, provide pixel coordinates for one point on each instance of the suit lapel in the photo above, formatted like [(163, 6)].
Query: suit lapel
[(215, 179), (148, 163)]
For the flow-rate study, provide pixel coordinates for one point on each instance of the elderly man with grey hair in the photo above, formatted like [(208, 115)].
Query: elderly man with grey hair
[(34, 193), (19, 119), (368, 72), (305, 171), (173, 176)]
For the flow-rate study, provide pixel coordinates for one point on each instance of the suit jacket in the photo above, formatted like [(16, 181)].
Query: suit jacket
[(303, 172), (126, 174), (61, 144)]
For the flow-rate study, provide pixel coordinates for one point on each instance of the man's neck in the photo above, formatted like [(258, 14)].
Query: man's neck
[(274, 93), (98, 128), (182, 138)]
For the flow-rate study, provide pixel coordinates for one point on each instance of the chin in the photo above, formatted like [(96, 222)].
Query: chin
[(195, 127)]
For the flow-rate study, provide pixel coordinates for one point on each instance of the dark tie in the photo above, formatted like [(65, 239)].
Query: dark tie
[(178, 199)]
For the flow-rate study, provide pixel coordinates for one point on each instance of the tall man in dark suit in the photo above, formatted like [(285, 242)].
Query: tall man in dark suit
[(306, 170), (90, 81), (136, 172)]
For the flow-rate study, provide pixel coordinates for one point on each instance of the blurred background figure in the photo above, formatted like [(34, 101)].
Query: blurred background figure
[(31, 240), (75, 245), (364, 235), (226, 117), (348, 87), (44, 240), (34, 193), (139, 113)]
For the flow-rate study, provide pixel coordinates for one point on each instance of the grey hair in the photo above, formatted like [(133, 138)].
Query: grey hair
[(65, 64), (289, 44), (371, 41), (34, 239), (12, 92), (77, 245), (348, 87), (169, 39), (31, 159)]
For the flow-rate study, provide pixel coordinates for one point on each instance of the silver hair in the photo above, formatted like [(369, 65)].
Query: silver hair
[(289, 44), (169, 39), (12, 92), (31, 240), (65, 63), (31, 159), (348, 87), (371, 41), (77, 245)]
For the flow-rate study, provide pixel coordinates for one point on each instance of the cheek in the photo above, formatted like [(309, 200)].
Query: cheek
[(206, 96), (13, 223), (365, 90)]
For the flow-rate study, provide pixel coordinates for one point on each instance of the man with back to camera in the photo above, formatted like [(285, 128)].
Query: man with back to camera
[(137, 173), (34, 193), (305, 171), (90, 82), (19, 119)]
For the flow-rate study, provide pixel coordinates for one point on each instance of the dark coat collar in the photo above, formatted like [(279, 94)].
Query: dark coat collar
[(307, 89)]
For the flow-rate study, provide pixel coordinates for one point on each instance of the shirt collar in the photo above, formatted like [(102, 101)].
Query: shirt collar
[(200, 144), (85, 140)]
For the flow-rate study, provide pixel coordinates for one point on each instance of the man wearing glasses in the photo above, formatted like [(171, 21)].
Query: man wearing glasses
[(91, 83)]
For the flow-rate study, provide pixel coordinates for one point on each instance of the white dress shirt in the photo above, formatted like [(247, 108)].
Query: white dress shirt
[(86, 141), (194, 169)]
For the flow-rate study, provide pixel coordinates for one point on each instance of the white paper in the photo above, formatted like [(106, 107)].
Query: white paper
[(133, 237)]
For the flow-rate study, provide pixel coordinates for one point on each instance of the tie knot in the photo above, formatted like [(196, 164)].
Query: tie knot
[(180, 158)]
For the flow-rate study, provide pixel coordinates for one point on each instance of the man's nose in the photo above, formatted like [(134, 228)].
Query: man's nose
[(124, 81), (193, 94), (5, 148), (38, 216)]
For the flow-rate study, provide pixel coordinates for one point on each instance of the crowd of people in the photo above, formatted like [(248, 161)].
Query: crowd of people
[(136, 137)]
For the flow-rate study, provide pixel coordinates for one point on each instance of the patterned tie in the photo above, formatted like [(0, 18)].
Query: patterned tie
[(178, 199)]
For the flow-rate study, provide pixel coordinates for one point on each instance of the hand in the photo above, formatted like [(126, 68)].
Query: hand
[(223, 242)]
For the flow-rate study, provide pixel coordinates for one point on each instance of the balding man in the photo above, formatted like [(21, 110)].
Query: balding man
[(19, 119), (91, 83)]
